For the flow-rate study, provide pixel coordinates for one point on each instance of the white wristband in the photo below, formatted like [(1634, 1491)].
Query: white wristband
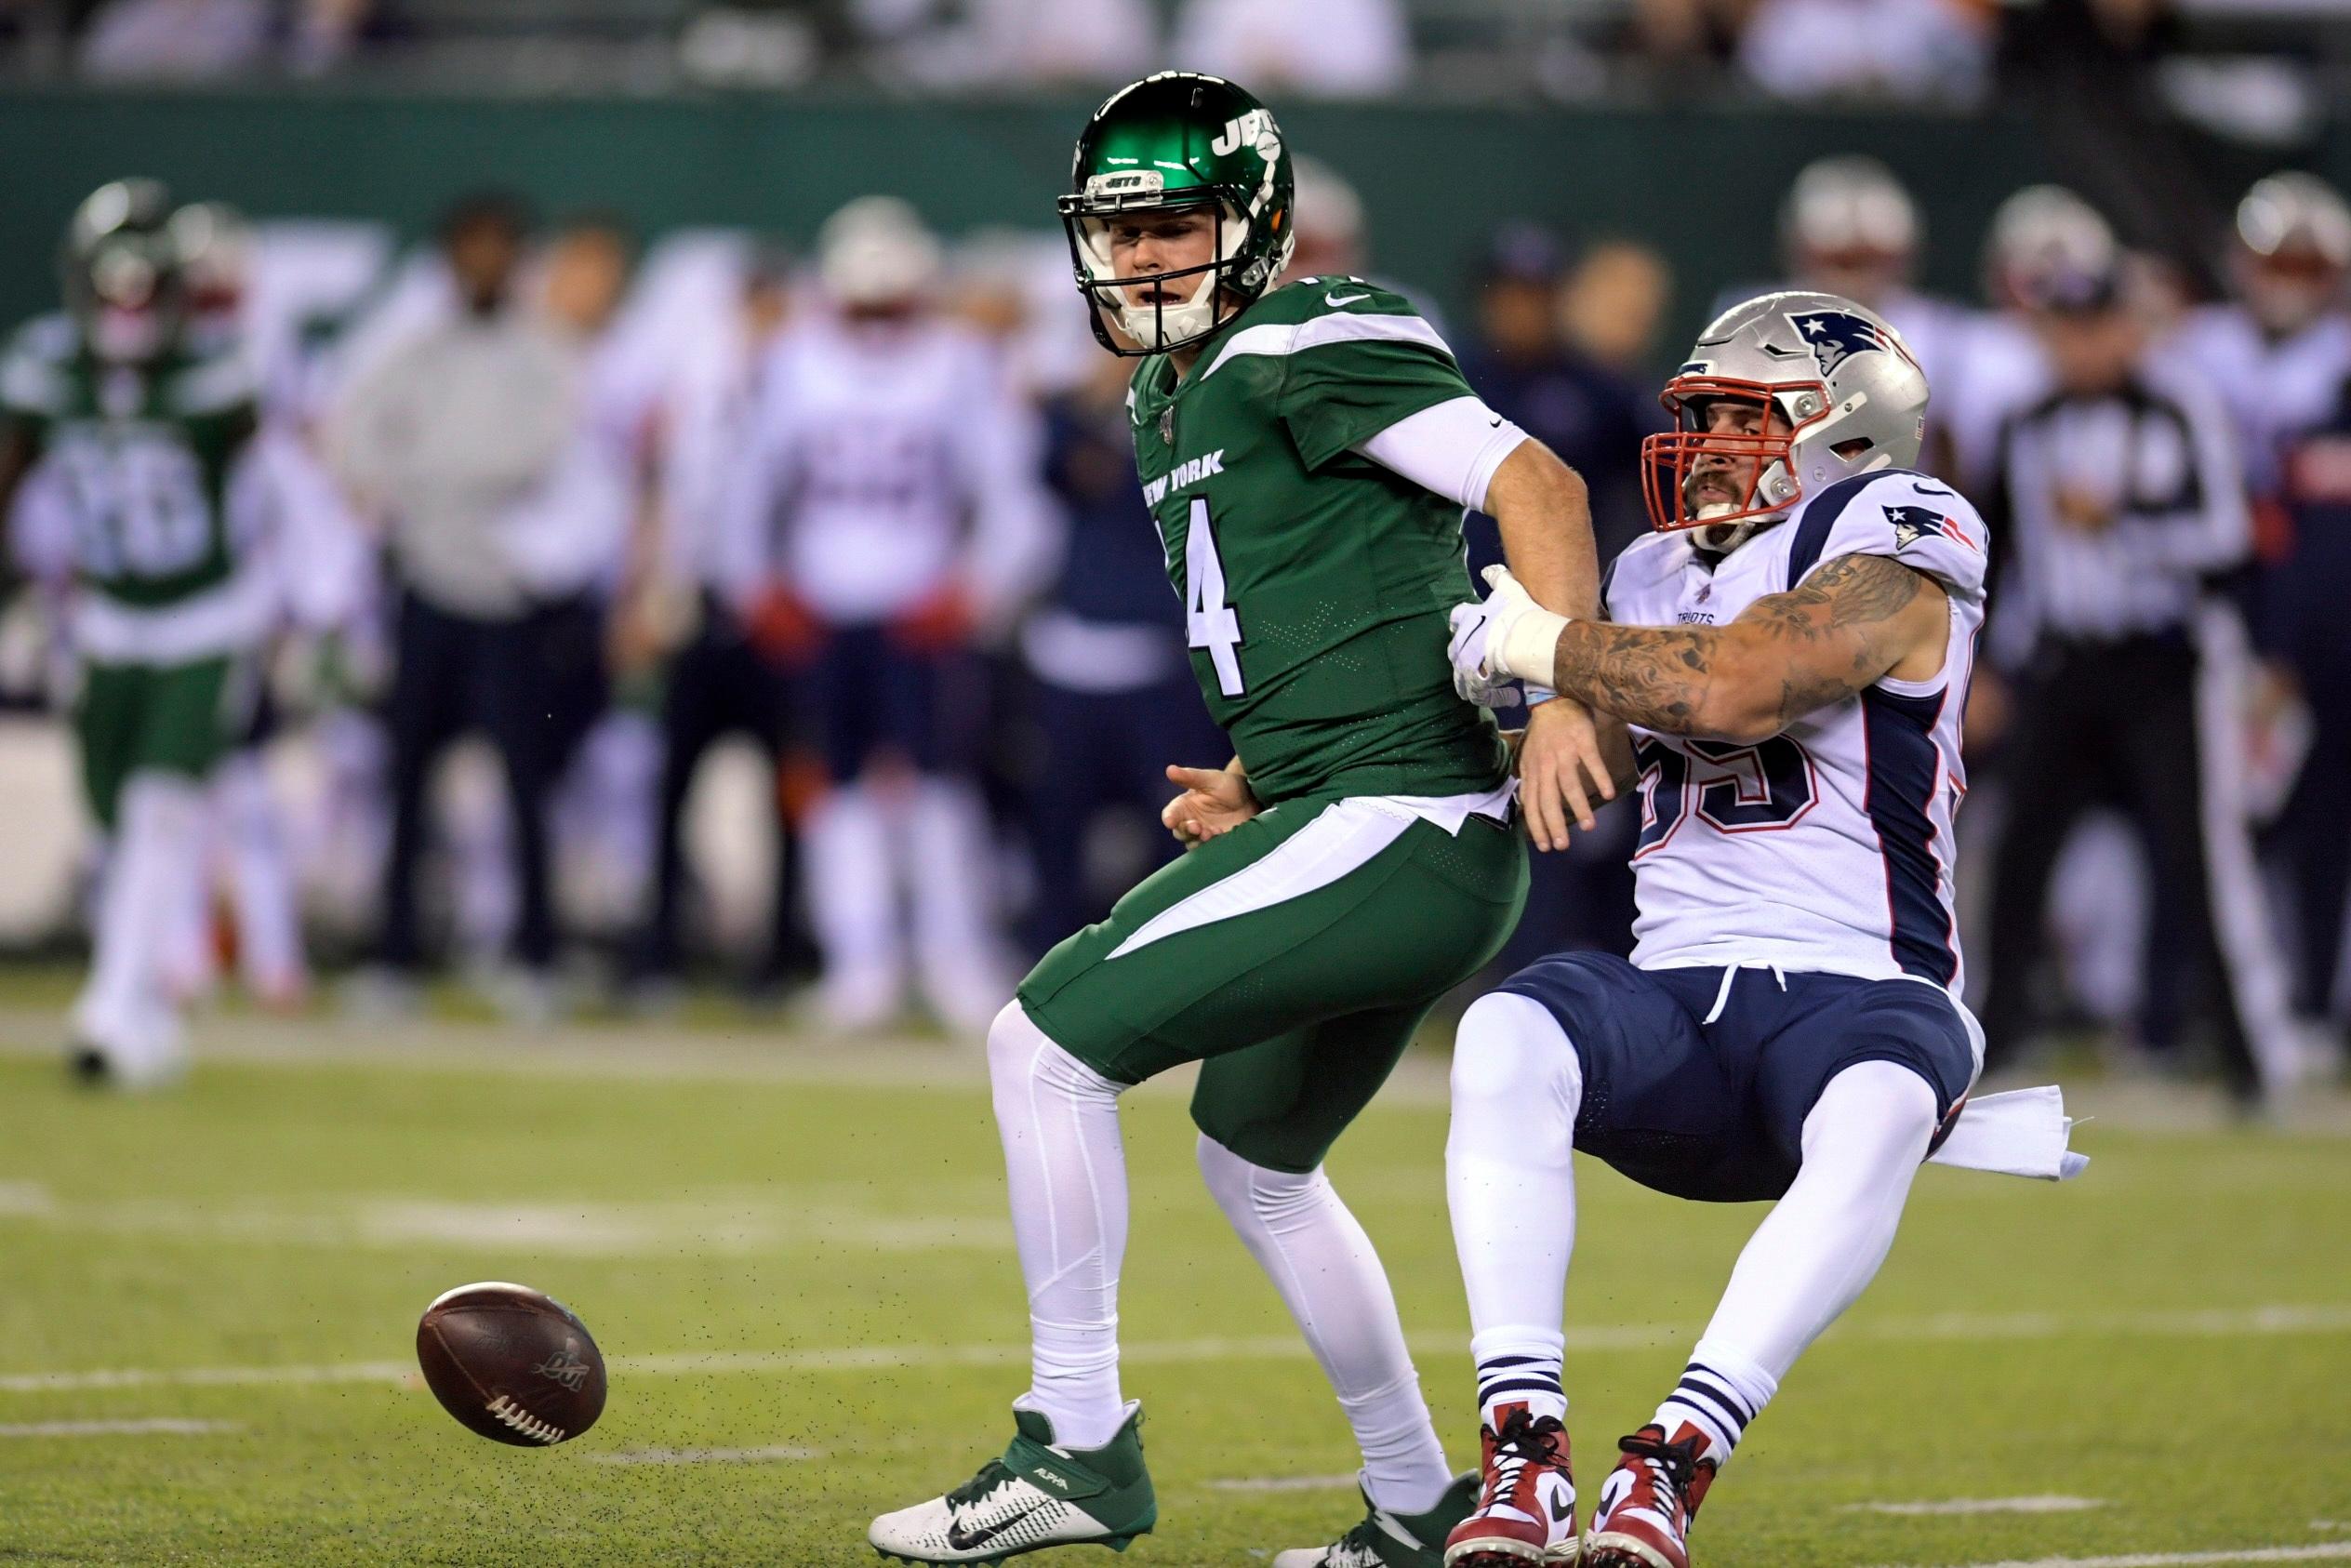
[(1530, 648)]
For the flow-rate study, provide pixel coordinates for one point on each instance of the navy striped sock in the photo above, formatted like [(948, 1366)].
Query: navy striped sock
[(1531, 1380), (1718, 1404)]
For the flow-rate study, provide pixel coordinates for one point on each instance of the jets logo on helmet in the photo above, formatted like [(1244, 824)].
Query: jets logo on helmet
[(1837, 336)]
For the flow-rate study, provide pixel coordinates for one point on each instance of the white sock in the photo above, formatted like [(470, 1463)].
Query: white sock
[(125, 1007), (852, 897), (1330, 1278), (1510, 1182), (262, 872), (1066, 1170), (1814, 1252)]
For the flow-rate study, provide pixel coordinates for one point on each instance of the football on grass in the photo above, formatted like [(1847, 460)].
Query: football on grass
[(512, 1363)]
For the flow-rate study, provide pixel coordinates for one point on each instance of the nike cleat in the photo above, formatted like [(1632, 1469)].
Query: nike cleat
[(1037, 1495), (1526, 1508), (1382, 1540), (1648, 1501)]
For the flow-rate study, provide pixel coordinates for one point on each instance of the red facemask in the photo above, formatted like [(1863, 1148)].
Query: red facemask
[(1670, 458)]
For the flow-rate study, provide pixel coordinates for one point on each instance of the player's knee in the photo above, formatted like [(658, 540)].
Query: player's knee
[(1872, 1106), (1017, 1049), (1509, 1048), (1247, 1191)]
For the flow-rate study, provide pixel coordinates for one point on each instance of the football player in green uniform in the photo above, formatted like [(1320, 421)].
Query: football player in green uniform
[(1307, 451), (116, 435)]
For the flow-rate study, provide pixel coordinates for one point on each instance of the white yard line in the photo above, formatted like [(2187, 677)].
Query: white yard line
[(2176, 1558), (1286, 1483), (722, 1223), (1979, 1505), (2271, 1320), (163, 1425), (771, 1454)]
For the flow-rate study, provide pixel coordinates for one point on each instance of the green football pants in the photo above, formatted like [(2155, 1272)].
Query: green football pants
[(159, 717), (1295, 956)]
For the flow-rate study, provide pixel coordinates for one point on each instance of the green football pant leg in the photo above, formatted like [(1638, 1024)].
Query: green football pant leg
[(1282, 1103), (1314, 912), (173, 718)]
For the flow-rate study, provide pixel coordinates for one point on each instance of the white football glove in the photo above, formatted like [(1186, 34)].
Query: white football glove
[(1505, 636)]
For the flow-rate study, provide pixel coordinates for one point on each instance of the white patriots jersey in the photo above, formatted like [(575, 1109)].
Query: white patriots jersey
[(1826, 849), (870, 450), (2274, 389)]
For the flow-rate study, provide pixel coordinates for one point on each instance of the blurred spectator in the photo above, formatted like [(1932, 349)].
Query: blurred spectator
[(2119, 502), (1539, 325), (1330, 220), (1906, 50), (184, 39), (193, 40), (878, 429), (1675, 33), (2084, 70), (1612, 304), (1333, 48), (1042, 42), (1535, 366), (1114, 698), (449, 437), (716, 681), (1332, 240)]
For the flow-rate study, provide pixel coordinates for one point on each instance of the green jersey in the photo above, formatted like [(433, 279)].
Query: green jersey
[(1315, 583), (135, 460)]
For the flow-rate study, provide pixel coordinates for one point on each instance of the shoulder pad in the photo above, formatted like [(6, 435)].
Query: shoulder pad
[(34, 367), (218, 385), (1912, 517), (1309, 297)]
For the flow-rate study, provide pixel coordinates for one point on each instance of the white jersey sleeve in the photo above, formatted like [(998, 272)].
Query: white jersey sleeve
[(1915, 520)]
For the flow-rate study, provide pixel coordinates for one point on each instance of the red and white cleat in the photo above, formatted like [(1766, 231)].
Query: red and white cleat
[(1526, 1508), (1648, 1501)]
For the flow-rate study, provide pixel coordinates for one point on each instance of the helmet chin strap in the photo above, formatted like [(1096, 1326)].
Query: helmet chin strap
[(1155, 326), (1724, 537)]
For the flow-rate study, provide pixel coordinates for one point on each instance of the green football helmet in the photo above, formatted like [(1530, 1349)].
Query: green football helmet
[(1174, 141), (123, 274)]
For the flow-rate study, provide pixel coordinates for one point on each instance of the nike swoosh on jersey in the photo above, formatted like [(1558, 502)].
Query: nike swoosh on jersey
[(1335, 300), (961, 1539)]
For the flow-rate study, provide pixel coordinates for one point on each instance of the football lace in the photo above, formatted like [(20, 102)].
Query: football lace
[(522, 1421)]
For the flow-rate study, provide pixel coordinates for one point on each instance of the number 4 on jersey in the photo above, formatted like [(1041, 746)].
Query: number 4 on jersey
[(1209, 622)]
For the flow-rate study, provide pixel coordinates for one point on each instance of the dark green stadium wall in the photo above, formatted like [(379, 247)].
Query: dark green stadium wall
[(1700, 185)]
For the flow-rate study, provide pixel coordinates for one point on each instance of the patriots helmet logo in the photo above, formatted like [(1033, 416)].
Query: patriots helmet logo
[(1912, 524), (1836, 335)]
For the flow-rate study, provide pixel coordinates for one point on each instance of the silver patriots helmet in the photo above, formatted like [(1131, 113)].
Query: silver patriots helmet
[(1833, 391)]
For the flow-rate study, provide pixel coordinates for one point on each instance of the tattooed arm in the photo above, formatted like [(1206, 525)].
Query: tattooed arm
[(1852, 622)]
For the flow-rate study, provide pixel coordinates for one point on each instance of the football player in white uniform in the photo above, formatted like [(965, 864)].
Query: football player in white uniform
[(1789, 656)]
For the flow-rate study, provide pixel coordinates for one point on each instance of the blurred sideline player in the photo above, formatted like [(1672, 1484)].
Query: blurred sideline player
[(2121, 508), (1849, 227), (1307, 451), (716, 680), (1788, 656), (311, 552), (887, 511), (140, 442), (2276, 354), (1113, 694)]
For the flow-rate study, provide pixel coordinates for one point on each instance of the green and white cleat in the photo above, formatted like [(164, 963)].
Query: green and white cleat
[(1037, 1495), (1392, 1541)]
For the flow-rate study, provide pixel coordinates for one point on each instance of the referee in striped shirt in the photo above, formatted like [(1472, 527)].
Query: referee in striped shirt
[(2118, 506)]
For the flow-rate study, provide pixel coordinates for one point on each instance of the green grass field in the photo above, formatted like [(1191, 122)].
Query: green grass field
[(797, 1261)]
